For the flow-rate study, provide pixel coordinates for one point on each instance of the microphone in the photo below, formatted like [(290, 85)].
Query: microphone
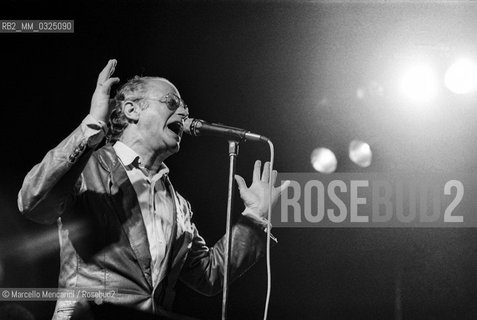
[(197, 127)]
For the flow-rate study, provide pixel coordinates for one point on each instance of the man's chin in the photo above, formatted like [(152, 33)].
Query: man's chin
[(174, 148), (172, 144)]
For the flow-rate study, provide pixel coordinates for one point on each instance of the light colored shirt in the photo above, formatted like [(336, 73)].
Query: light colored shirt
[(155, 201), (156, 204)]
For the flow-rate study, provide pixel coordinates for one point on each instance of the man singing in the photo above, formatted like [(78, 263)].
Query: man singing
[(122, 226)]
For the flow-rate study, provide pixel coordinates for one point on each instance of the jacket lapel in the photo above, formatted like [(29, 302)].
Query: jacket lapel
[(129, 213), (172, 237), (182, 240)]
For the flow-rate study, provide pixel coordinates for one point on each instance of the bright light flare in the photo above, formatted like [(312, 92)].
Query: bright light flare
[(419, 83), (461, 77), (360, 153), (324, 160)]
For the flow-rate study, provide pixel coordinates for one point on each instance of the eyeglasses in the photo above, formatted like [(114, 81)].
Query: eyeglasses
[(171, 100)]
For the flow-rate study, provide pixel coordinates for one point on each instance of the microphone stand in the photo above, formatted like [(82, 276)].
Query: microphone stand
[(233, 153)]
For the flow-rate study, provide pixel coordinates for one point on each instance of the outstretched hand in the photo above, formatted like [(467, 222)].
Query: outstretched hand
[(256, 197), (100, 101)]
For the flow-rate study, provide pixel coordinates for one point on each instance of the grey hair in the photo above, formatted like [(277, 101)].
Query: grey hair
[(134, 89)]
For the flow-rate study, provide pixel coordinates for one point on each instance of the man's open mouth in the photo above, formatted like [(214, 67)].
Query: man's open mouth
[(176, 127)]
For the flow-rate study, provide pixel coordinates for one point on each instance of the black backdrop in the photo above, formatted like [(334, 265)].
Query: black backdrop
[(288, 70)]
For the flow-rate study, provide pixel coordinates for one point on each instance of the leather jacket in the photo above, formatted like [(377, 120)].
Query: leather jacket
[(103, 241)]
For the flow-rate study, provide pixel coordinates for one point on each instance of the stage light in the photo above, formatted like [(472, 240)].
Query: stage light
[(44, 243), (324, 102), (373, 90), (419, 83), (360, 153), (324, 160), (461, 77), (360, 93)]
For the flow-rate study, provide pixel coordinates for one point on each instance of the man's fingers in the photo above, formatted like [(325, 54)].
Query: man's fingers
[(283, 186), (106, 87), (240, 182), (113, 66), (106, 73), (266, 172), (256, 170), (274, 177)]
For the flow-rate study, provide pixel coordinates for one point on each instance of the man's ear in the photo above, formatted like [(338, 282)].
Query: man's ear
[(131, 111)]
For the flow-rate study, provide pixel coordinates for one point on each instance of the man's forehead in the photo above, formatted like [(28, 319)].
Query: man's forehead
[(161, 87)]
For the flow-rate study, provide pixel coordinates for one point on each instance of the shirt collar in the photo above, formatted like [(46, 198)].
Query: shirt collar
[(125, 154), (129, 157)]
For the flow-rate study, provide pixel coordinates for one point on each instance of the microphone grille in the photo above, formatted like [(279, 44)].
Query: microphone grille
[(189, 126)]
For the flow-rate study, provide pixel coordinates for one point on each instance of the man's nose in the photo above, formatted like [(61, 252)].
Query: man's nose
[(183, 111)]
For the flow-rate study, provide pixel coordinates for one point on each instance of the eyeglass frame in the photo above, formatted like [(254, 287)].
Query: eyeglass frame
[(166, 100)]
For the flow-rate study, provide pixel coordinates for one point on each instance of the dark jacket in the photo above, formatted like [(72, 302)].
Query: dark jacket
[(103, 242)]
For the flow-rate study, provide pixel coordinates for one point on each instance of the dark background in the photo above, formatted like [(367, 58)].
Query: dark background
[(290, 71)]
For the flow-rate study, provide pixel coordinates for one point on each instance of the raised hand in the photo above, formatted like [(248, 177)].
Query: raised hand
[(256, 197), (100, 101)]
